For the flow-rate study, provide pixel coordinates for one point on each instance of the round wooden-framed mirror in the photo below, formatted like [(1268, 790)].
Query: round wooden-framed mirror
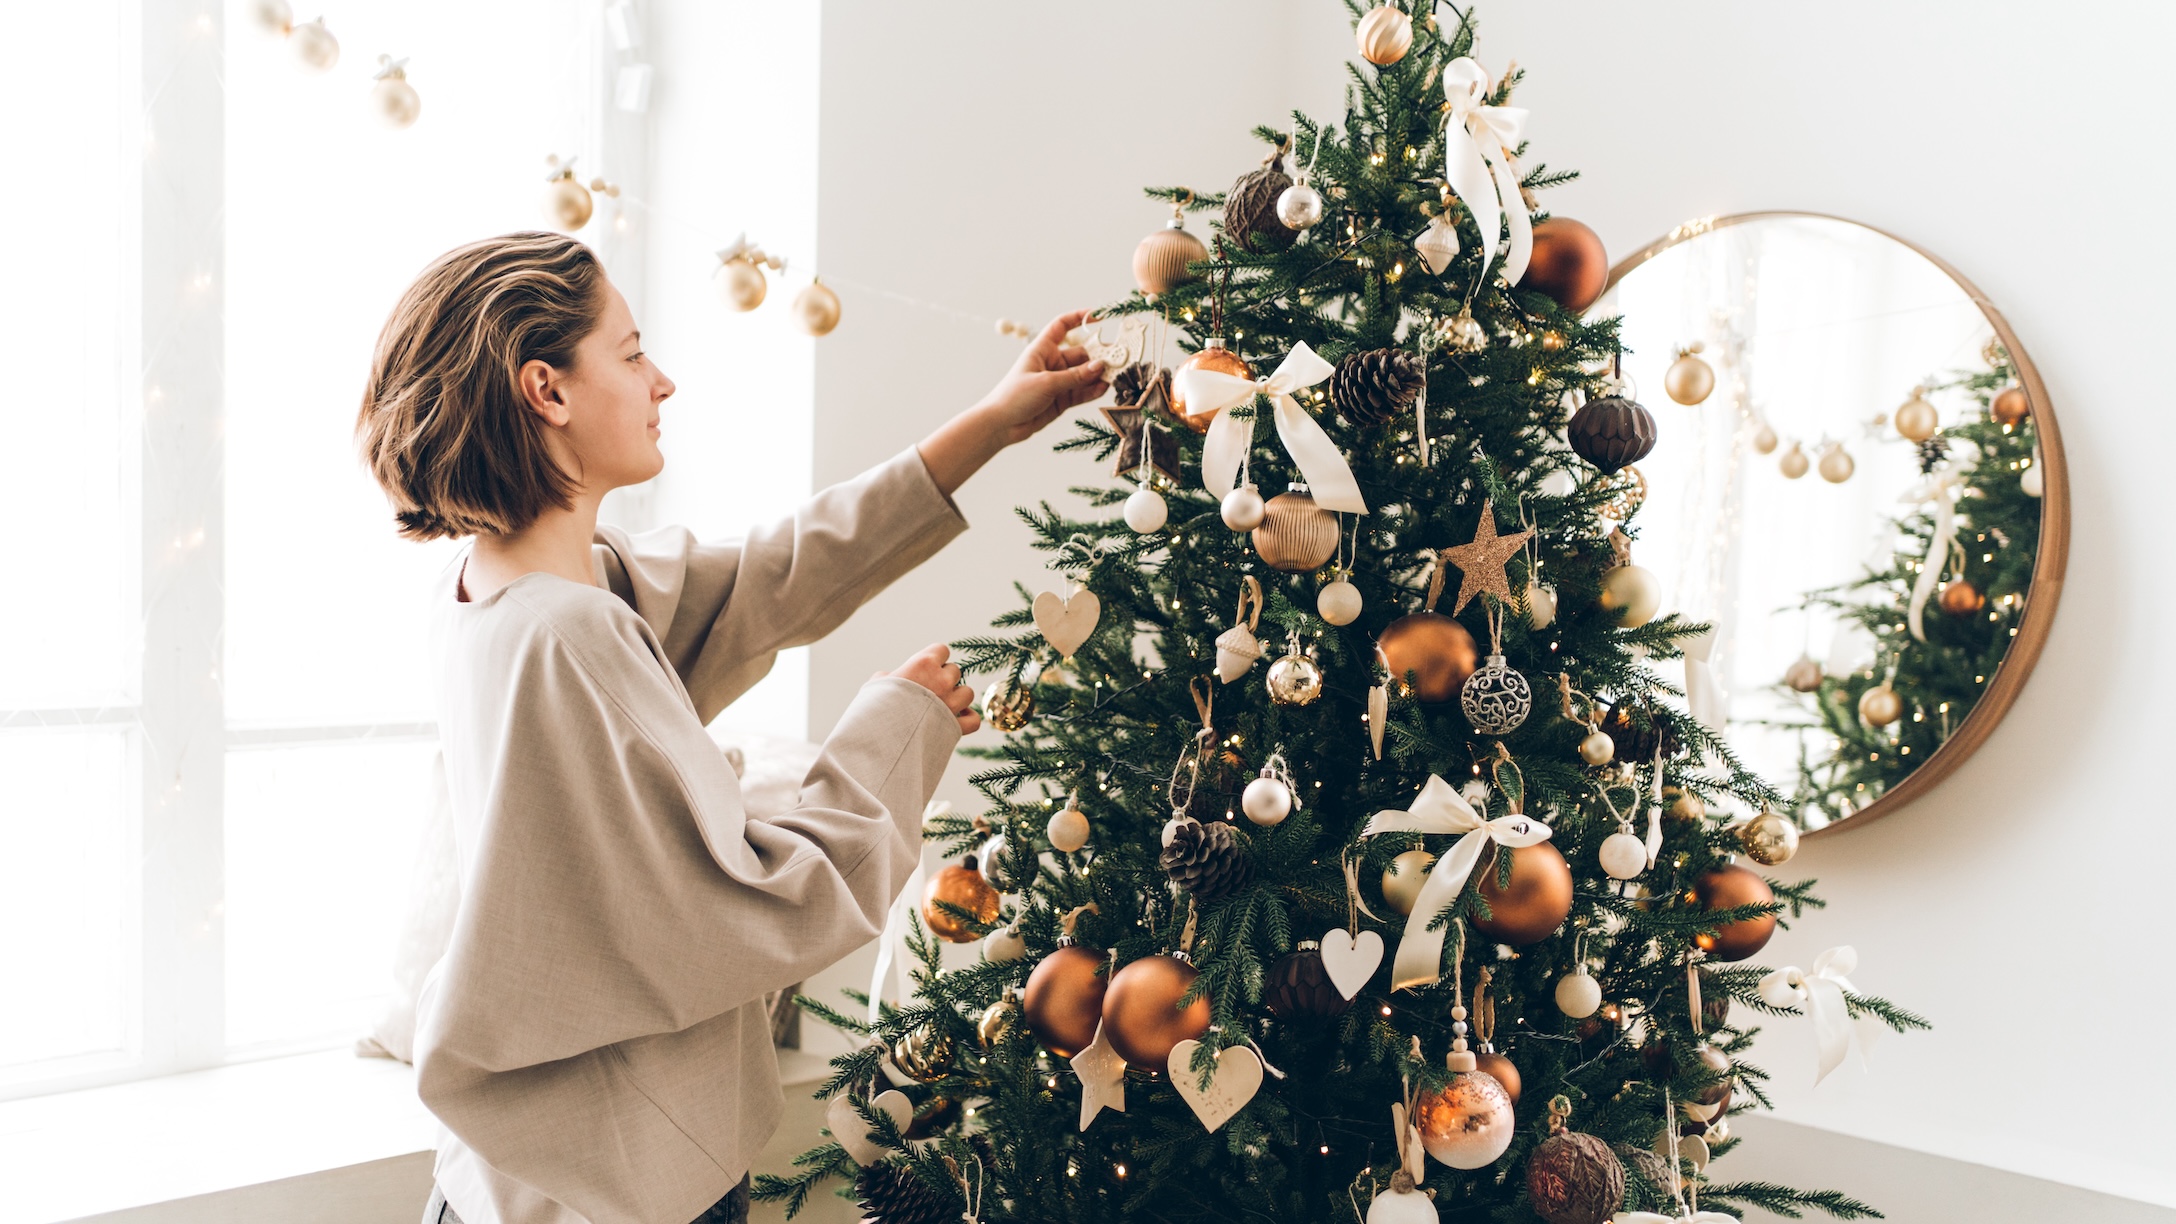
[(1862, 487)]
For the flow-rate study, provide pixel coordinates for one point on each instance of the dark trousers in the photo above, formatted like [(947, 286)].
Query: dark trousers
[(732, 1209)]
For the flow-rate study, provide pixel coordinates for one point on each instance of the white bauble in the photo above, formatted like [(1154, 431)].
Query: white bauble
[(1146, 511), (1578, 995), (1266, 801), (1338, 603), (1559, 483), (273, 16), (1171, 826), (1403, 1207), (1004, 944), (2031, 481), (742, 284), (1540, 605), (1068, 830), (1623, 856), (396, 101), (1597, 748), (314, 46), (1299, 206), (1243, 508)]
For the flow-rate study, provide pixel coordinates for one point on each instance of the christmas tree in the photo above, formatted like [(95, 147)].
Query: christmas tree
[(1328, 934), (1944, 613)]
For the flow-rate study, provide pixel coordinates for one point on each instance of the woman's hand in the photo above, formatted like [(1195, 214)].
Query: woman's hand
[(933, 669), (1050, 377)]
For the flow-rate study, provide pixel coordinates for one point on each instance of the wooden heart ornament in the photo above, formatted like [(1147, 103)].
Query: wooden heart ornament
[(1066, 621), (853, 1133), (1351, 961), (1238, 1076)]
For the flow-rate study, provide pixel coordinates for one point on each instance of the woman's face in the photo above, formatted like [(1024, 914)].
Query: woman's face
[(609, 402)]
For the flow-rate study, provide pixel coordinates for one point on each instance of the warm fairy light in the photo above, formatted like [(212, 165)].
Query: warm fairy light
[(1121, 1170), (1386, 1009), (1325, 1149)]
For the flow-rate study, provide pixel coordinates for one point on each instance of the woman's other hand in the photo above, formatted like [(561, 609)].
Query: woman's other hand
[(1049, 377), (933, 669)]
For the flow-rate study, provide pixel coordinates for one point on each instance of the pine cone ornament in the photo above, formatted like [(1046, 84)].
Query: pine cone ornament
[(1370, 388), (1574, 1179), (1207, 860), (1647, 1178), (1636, 740), (1250, 211), (890, 1194)]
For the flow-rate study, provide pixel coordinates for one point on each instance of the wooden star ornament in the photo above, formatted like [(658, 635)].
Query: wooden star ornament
[(1102, 1072), (1162, 447), (1481, 563)]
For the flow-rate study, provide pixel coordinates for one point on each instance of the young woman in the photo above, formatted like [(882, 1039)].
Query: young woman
[(594, 1040)]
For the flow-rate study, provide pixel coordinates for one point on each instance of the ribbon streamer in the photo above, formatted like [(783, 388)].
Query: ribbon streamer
[(1478, 170), (1704, 697), (1653, 840), (891, 946), (1820, 995), (1942, 491), (1440, 809), (1325, 470)]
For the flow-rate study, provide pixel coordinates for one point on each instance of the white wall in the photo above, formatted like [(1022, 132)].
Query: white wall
[(987, 156)]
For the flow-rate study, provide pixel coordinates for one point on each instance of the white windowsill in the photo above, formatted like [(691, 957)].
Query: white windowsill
[(76, 1154)]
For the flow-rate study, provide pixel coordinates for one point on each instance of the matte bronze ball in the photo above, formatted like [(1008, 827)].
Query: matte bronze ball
[(1879, 706), (1063, 1000), (1141, 1012), (2011, 406), (1217, 359), (1574, 1179), (1159, 263), (961, 885), (1728, 888), (1961, 598), (1501, 1069), (1536, 904), (1569, 263), (1298, 987), (1296, 534), (1436, 648), (1611, 432)]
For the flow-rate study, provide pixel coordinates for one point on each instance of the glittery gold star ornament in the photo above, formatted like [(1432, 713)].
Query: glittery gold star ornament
[(1102, 1072), (1481, 563)]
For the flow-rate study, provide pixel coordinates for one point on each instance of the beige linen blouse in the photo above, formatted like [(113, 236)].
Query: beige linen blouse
[(594, 1040)]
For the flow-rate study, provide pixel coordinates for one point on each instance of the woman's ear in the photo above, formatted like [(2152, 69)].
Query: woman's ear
[(540, 390)]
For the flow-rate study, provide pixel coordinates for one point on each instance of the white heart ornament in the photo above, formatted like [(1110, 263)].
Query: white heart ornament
[(1238, 1076), (1351, 961), (1066, 621), (854, 1134)]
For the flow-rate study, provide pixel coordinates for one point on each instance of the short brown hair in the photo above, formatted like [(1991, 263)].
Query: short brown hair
[(443, 426)]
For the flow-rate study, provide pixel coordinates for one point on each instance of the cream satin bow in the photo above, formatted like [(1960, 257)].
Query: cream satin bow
[(1469, 162), (1820, 994), (1440, 809), (1942, 491), (1206, 391)]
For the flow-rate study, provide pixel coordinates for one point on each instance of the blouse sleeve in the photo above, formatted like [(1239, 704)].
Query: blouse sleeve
[(617, 888), (724, 610)]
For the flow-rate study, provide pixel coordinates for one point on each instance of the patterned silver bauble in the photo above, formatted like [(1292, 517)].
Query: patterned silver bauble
[(1295, 679), (1462, 333), (1496, 698), (1299, 207)]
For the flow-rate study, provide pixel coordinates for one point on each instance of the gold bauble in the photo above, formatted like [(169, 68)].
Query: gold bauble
[(1836, 464), (1961, 598), (1436, 648), (393, 98), (2011, 406), (567, 204), (961, 885), (1468, 1123), (1879, 706), (1769, 839), (1689, 379), (1764, 439), (1159, 263), (1296, 534), (997, 1018), (1385, 34), (1729, 887), (1403, 878), (1217, 359), (1804, 675), (1007, 704), (1295, 680), (1063, 1000), (1916, 419), (1536, 904), (742, 284), (1630, 595), (1597, 748), (1794, 463), (1141, 1012), (1684, 804), (924, 1055), (816, 309)]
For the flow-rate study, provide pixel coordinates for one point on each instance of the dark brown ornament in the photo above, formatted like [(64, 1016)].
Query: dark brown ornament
[(1370, 388), (891, 1194), (2011, 406), (1433, 646), (1207, 860), (1296, 534), (1729, 887), (1636, 740), (1141, 1014), (1568, 264), (1250, 211), (1714, 1062), (1216, 359), (1574, 1179), (1611, 432), (1063, 1000), (1298, 988), (1536, 904), (961, 885), (1162, 444), (1961, 598), (1502, 1069)]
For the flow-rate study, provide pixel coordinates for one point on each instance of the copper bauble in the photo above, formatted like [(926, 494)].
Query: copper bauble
[(1298, 987), (1536, 904), (1141, 1013), (1296, 534), (1063, 1000), (1436, 648), (1498, 1068), (1574, 1179), (1159, 263), (1769, 838), (2011, 406), (1729, 887), (1961, 598), (961, 885), (1468, 1124), (1217, 359), (1879, 706), (1568, 263)]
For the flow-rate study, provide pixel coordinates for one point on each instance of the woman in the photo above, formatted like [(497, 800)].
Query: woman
[(594, 1040)]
